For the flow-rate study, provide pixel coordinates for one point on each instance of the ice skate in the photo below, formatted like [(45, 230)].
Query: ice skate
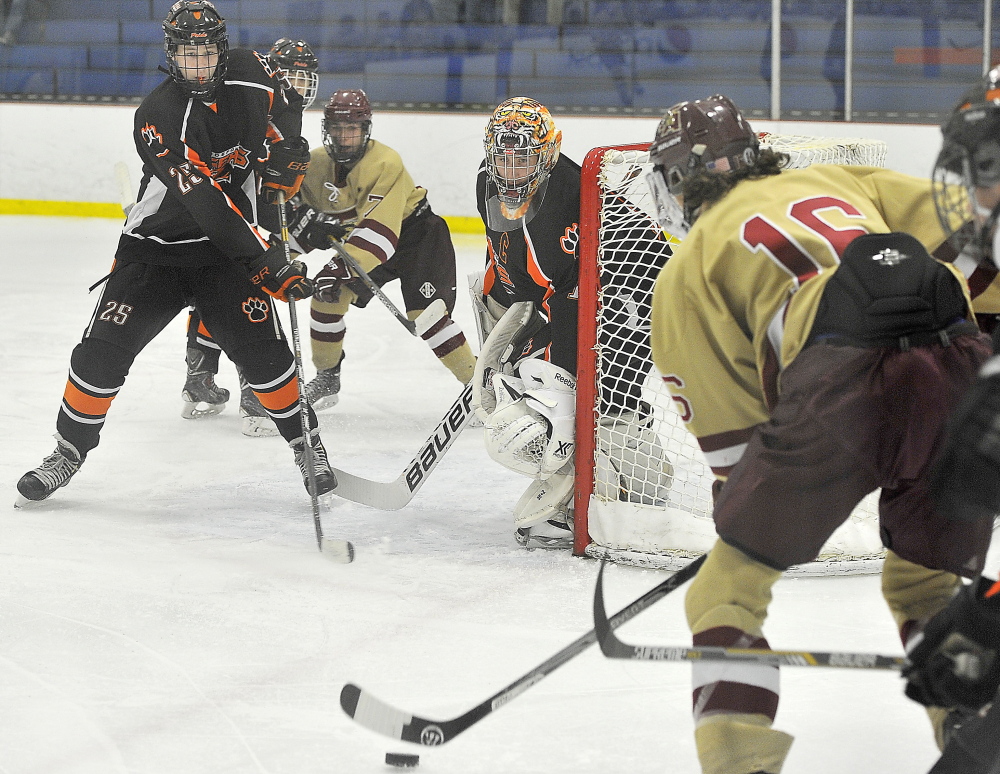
[(55, 471), (326, 481), (254, 420), (202, 396), (323, 391), (555, 533)]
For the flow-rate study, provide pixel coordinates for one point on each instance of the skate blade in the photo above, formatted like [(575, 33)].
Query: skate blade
[(327, 401), (23, 502), (258, 427), (199, 410), (339, 551)]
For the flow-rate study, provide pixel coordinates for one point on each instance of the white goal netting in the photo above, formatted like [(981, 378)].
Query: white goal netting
[(651, 503)]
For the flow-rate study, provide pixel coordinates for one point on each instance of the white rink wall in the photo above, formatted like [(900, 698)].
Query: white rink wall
[(67, 152)]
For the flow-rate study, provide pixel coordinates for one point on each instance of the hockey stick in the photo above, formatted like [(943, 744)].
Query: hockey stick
[(417, 327), (338, 550), (612, 647), (389, 721), (125, 195), (393, 495)]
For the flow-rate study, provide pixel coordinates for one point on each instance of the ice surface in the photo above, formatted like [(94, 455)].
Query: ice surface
[(168, 611)]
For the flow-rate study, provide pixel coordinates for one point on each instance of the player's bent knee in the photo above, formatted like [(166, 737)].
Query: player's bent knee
[(262, 361), (101, 363), (730, 590)]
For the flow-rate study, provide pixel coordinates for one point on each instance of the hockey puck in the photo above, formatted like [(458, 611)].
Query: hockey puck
[(402, 759)]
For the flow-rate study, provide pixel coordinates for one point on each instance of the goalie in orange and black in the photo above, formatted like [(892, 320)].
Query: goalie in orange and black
[(222, 125), (815, 349)]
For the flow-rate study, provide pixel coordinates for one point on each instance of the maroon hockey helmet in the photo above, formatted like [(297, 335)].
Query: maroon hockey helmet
[(197, 47), (704, 135), (300, 64), (346, 109)]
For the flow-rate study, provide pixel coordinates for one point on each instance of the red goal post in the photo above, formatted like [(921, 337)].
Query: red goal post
[(643, 489)]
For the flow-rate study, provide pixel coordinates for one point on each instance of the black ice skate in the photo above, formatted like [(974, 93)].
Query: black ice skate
[(254, 420), (323, 391), (55, 471), (202, 396), (325, 480)]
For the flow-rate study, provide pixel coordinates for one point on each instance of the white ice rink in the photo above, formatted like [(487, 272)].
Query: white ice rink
[(168, 612)]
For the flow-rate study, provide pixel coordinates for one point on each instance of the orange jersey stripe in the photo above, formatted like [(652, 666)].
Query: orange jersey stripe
[(281, 398), (82, 403), (994, 590)]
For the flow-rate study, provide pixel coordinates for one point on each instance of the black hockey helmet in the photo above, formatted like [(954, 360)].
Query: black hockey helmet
[(704, 135), (197, 47), (970, 159), (346, 108), (300, 64)]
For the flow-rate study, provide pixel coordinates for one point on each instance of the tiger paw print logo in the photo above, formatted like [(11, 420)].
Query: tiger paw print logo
[(255, 309)]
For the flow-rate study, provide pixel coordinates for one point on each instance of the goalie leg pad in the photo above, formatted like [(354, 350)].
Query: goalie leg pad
[(631, 463), (544, 500)]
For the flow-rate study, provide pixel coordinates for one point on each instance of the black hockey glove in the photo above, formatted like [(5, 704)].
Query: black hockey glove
[(285, 169), (275, 276), (314, 229), (955, 660), (965, 480), (330, 279)]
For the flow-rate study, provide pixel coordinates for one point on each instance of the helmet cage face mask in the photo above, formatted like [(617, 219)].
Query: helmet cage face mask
[(197, 47), (970, 160), (346, 109), (297, 60), (522, 146)]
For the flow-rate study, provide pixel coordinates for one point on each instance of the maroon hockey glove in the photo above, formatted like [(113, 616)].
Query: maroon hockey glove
[(330, 279), (285, 169), (275, 276), (955, 660), (313, 229)]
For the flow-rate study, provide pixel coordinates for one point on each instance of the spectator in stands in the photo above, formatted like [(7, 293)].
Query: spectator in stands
[(10, 22)]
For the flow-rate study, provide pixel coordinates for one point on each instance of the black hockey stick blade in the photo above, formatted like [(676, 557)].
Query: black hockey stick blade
[(377, 716), (393, 495), (613, 647)]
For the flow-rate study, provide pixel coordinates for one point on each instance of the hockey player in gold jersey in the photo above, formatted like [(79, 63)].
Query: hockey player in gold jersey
[(358, 190), (815, 350)]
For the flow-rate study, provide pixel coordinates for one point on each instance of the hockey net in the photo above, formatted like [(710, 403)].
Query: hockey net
[(643, 488)]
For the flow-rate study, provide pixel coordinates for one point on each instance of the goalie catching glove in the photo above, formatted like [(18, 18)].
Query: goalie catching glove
[(313, 229), (285, 281), (285, 169), (955, 660)]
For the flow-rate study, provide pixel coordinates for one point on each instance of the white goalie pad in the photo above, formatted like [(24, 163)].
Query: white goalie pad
[(534, 433), (494, 355), (544, 500), (631, 464), (488, 313)]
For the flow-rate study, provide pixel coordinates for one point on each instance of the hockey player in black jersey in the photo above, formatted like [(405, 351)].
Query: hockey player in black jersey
[(955, 659), (220, 131), (201, 396), (524, 387)]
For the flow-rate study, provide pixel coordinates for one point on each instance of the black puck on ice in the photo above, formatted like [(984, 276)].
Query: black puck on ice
[(402, 759)]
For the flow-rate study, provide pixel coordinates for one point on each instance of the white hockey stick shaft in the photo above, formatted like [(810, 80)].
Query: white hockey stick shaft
[(393, 495), (124, 181)]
